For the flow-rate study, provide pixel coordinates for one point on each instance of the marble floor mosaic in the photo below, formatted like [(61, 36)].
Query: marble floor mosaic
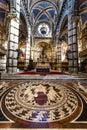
[(43, 104)]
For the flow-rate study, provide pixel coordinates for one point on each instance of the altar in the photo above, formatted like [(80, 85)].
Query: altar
[(43, 67)]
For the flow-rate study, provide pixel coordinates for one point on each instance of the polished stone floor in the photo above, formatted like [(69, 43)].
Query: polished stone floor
[(44, 102)]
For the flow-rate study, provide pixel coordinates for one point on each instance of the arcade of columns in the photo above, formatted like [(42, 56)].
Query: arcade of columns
[(66, 9)]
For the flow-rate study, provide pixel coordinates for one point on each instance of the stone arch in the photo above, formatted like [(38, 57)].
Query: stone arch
[(62, 22), (43, 0), (83, 7), (23, 35), (23, 23), (69, 10), (22, 11), (66, 12), (43, 12)]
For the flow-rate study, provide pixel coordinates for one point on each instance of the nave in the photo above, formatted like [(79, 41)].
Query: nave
[(43, 64)]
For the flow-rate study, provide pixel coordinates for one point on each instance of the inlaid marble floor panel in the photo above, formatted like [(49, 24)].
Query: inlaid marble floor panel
[(43, 104)]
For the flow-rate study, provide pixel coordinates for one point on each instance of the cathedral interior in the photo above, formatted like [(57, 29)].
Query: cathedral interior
[(43, 64)]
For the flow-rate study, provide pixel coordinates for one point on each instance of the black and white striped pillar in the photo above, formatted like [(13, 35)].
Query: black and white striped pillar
[(13, 40), (72, 45), (2, 48), (27, 50), (59, 56)]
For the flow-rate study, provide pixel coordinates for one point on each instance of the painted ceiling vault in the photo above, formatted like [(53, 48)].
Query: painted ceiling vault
[(43, 15)]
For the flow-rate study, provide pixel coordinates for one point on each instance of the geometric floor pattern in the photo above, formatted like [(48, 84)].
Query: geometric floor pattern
[(39, 103)]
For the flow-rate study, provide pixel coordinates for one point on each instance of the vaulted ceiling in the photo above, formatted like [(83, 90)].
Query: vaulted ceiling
[(32, 2), (43, 11)]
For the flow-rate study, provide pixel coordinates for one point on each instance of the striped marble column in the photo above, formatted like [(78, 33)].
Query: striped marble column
[(3, 48), (75, 47), (72, 45), (59, 56), (13, 40), (27, 52), (0, 38)]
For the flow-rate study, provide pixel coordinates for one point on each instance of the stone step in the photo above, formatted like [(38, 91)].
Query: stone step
[(36, 77)]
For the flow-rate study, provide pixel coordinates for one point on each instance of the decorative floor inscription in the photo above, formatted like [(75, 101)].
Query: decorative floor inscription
[(42, 101)]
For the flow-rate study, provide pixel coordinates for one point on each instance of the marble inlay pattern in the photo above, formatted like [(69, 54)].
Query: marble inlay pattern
[(43, 101)]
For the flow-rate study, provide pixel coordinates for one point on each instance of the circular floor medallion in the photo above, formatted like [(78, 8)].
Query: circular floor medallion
[(42, 101)]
